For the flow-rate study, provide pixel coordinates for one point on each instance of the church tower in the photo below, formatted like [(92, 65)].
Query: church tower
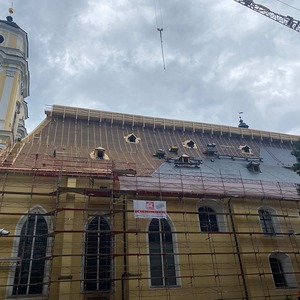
[(14, 82)]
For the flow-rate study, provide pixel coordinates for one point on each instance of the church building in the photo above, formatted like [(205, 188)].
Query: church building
[(98, 205)]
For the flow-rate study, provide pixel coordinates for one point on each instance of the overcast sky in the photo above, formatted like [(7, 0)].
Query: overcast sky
[(221, 58)]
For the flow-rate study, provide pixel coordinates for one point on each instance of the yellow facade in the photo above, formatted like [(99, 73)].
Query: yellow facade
[(14, 83), (232, 264)]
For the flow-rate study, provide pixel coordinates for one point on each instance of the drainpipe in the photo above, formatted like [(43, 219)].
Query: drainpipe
[(237, 249)]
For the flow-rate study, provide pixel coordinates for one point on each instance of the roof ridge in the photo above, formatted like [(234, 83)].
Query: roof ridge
[(124, 118)]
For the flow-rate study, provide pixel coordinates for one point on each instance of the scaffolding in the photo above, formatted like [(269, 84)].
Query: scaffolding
[(231, 263)]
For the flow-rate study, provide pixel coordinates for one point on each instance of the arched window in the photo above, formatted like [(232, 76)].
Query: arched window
[(266, 222), (97, 267), (282, 270), (32, 249), (277, 271), (269, 221), (161, 249), (208, 219)]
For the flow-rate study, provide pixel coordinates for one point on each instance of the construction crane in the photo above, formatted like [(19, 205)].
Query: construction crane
[(284, 20)]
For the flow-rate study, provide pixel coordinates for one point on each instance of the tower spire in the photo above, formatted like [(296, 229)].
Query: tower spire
[(11, 12)]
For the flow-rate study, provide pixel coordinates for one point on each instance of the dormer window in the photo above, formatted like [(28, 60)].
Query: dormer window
[(173, 149), (254, 166), (99, 153), (160, 153), (131, 138), (246, 150), (210, 149), (189, 144), (185, 158)]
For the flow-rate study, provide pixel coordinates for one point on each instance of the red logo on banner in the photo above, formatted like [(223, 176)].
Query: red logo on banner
[(150, 205)]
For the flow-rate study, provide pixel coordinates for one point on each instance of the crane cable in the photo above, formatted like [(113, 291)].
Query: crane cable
[(288, 5), (160, 30)]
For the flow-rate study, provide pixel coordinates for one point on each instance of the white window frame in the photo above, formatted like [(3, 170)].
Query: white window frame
[(274, 218), (176, 256), (287, 267), (219, 210)]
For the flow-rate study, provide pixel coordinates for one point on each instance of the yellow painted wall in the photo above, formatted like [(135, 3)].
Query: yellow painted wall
[(208, 263), (2, 82), (12, 41)]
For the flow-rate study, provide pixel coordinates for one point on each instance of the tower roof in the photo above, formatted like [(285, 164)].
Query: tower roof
[(9, 21)]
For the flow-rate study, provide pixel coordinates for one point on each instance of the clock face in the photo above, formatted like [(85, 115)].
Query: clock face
[(1, 39)]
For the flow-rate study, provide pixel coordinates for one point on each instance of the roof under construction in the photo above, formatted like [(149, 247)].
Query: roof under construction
[(77, 141)]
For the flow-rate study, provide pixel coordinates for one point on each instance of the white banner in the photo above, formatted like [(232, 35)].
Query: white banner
[(150, 209)]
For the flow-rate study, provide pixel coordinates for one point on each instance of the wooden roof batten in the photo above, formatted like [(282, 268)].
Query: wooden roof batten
[(144, 121)]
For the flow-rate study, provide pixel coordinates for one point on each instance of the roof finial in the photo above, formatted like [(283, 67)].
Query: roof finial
[(242, 124), (11, 9), (11, 12)]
